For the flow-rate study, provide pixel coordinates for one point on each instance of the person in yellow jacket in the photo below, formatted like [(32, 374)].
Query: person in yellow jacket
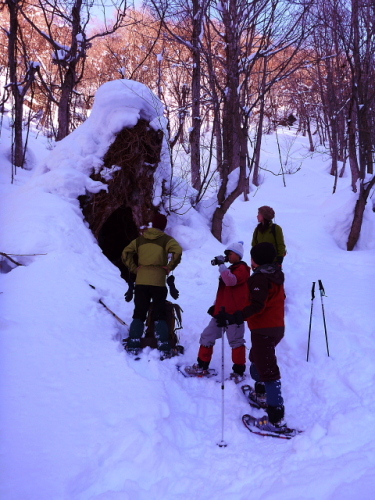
[(268, 231), (147, 258)]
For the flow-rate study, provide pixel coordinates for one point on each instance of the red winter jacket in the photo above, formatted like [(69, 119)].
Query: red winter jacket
[(233, 296), (265, 314)]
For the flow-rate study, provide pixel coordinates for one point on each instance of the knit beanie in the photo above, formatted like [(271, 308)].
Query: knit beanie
[(159, 221), (263, 253), (267, 212), (236, 247)]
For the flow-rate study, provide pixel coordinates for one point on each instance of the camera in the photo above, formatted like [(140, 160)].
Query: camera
[(219, 260)]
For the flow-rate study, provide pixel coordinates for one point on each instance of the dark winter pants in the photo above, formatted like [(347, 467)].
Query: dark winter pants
[(143, 296), (264, 366)]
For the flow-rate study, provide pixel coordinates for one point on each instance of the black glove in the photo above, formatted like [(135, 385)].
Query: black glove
[(129, 294), (220, 259), (279, 260), (172, 289), (223, 319), (211, 310)]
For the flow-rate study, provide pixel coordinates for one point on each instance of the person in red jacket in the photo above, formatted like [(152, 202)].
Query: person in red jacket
[(232, 294), (265, 318)]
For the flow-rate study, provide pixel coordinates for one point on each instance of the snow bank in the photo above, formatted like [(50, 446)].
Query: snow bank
[(118, 104)]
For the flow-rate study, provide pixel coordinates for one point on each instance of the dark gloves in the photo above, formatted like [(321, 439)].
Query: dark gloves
[(223, 319), (279, 260), (211, 310), (172, 289), (219, 259), (129, 294)]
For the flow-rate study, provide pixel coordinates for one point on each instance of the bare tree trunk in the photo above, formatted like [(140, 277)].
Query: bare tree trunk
[(64, 104), (256, 159), (18, 150), (361, 73), (352, 150), (309, 134), (258, 143), (359, 209), (195, 133)]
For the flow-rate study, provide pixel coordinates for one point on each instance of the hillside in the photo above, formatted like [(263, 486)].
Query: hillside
[(82, 420)]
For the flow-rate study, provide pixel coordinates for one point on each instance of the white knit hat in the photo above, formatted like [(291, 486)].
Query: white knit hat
[(236, 247)]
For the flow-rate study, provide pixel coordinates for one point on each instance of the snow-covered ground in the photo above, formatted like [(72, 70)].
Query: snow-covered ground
[(80, 419)]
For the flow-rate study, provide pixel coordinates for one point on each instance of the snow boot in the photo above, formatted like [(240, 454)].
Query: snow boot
[(134, 351), (264, 424), (175, 351), (275, 414), (135, 334), (197, 371), (162, 335), (237, 377), (258, 395)]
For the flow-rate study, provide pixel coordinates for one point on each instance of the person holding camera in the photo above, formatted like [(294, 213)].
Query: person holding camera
[(265, 318), (268, 231), (232, 294)]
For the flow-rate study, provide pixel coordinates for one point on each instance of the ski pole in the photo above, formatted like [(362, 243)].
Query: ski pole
[(322, 292), (109, 310), (222, 443), (311, 310)]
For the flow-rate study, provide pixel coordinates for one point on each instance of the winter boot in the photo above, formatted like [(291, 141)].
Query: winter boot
[(236, 377), (135, 334), (197, 371), (257, 396), (239, 369), (264, 424), (162, 335), (276, 414), (238, 374)]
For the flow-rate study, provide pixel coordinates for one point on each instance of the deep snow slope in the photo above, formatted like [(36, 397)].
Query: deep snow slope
[(82, 420)]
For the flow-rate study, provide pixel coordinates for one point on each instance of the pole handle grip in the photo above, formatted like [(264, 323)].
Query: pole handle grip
[(313, 291), (321, 289)]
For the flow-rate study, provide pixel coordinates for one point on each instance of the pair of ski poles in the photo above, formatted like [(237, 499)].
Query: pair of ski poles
[(322, 294)]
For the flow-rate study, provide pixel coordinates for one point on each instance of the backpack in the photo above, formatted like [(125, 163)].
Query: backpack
[(273, 231), (174, 322)]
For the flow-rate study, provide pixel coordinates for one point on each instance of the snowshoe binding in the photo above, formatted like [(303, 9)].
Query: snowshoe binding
[(175, 351), (133, 351), (256, 400), (196, 371), (236, 377), (263, 427)]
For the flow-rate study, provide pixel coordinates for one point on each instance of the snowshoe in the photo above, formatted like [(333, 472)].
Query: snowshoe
[(175, 351), (134, 352), (254, 399), (236, 377), (196, 371), (263, 427)]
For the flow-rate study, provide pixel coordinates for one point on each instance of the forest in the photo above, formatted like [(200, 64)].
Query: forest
[(228, 72)]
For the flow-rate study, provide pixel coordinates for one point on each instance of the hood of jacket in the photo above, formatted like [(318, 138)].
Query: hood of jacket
[(153, 233), (272, 271)]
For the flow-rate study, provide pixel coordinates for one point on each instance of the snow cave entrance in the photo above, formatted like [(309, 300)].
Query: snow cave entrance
[(115, 234)]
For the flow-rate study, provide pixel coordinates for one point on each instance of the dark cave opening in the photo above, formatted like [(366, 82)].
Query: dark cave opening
[(115, 234)]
